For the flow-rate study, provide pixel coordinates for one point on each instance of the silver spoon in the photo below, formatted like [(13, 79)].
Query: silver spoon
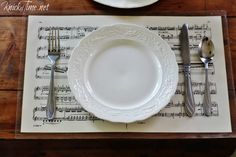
[(206, 53)]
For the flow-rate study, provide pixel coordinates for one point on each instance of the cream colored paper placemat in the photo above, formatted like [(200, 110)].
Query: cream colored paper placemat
[(70, 117)]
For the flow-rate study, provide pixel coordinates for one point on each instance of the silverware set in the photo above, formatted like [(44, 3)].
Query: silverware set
[(206, 53), (205, 50)]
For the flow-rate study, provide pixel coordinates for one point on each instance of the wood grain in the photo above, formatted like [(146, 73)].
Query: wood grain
[(228, 5), (86, 6), (12, 58), (12, 51), (232, 37), (8, 107)]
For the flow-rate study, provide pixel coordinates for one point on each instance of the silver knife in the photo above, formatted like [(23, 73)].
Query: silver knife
[(185, 52)]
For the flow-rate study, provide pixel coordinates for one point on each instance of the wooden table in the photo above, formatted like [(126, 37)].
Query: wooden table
[(12, 52)]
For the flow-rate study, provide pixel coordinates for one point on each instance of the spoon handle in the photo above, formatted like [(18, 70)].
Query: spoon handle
[(207, 96)]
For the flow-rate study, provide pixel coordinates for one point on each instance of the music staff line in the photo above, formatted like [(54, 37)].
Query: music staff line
[(63, 92), (74, 32), (78, 32), (42, 52), (195, 27), (182, 104), (79, 114), (182, 114), (78, 108), (43, 72), (69, 28), (66, 50), (63, 95), (66, 100), (63, 114)]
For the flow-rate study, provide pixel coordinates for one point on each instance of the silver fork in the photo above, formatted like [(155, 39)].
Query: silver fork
[(53, 55)]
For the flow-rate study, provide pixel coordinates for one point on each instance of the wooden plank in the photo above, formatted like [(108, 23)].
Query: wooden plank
[(227, 5), (8, 105), (85, 6), (232, 39), (12, 52)]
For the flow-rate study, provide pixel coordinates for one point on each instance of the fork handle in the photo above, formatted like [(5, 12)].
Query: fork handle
[(50, 110)]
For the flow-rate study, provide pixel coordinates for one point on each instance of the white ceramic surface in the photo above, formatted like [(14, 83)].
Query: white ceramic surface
[(123, 73), (126, 3)]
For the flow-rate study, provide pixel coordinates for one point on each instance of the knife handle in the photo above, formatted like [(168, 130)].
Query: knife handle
[(189, 98)]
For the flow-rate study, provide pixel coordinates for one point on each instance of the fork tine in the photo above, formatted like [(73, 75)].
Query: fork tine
[(55, 41), (52, 40), (49, 41), (58, 37)]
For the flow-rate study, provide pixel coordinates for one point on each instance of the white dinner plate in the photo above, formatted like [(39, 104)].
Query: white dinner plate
[(126, 3), (123, 73)]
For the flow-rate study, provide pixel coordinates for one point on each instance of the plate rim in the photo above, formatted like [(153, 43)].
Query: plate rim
[(124, 120), (146, 3)]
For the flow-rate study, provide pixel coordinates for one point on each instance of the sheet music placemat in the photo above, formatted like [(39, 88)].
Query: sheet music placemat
[(70, 116)]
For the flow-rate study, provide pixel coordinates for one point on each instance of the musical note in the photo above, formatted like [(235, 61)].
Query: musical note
[(66, 32), (198, 68), (42, 52), (63, 114), (198, 88), (45, 71)]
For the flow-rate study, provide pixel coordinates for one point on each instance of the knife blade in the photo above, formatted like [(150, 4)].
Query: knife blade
[(185, 53)]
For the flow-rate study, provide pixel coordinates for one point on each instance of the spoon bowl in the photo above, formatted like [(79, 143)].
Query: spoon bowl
[(206, 50), (206, 53)]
